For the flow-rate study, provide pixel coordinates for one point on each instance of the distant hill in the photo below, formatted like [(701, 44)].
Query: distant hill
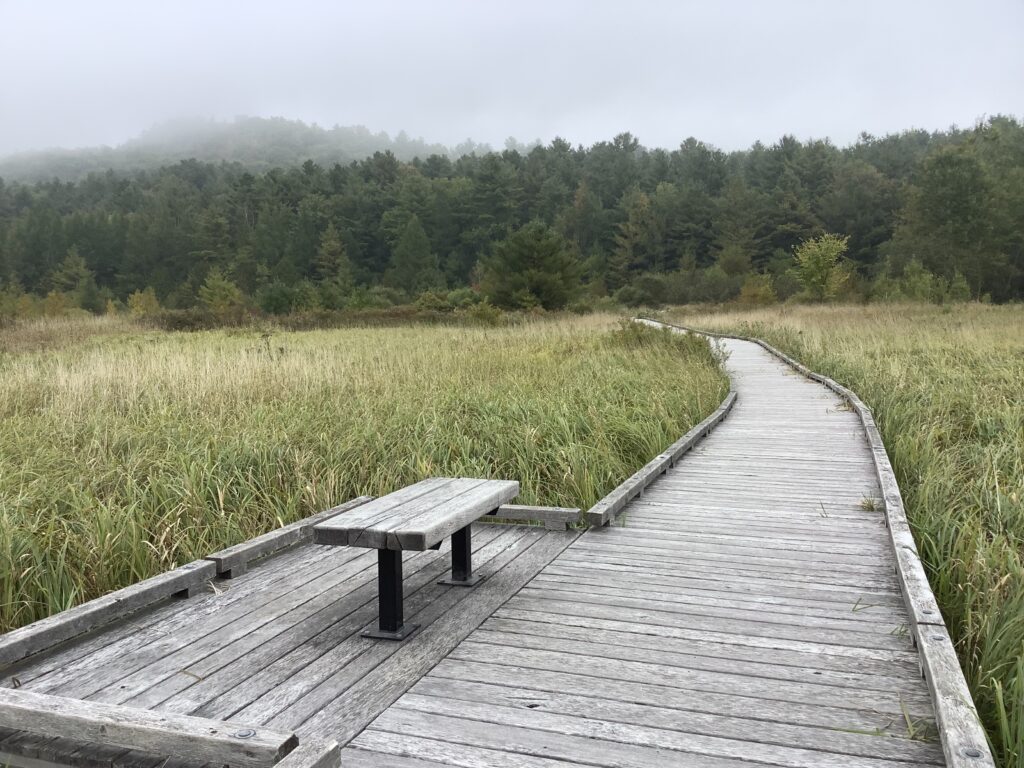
[(256, 143)]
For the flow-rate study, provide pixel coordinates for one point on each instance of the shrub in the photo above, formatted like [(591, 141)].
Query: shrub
[(757, 291)]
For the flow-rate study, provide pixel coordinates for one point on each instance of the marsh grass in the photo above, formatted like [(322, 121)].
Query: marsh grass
[(124, 453), (946, 387)]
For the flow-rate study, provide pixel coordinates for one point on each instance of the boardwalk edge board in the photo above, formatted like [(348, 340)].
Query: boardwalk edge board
[(554, 518), (184, 581), (605, 510), (233, 561), (963, 738), (191, 738), (66, 625)]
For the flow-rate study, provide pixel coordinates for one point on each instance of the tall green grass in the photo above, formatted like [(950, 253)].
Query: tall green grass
[(124, 453), (947, 388)]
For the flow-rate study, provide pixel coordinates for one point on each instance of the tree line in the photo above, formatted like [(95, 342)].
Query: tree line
[(918, 215)]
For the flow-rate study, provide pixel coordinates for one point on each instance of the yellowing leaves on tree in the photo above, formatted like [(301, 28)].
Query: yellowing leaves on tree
[(820, 267)]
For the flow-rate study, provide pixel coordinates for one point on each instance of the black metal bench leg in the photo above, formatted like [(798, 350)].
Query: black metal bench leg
[(391, 625), (462, 559)]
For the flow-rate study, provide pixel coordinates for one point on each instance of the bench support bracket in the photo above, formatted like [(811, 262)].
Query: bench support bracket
[(391, 625), (462, 559)]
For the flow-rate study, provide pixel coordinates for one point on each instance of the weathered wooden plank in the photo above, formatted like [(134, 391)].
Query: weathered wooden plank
[(607, 508), (760, 732), (699, 600), (695, 643), (420, 522), (233, 561), (745, 591), (687, 744), (738, 537), (48, 632), (830, 655), (516, 740), (177, 735), (426, 529), (347, 716), (231, 680), (797, 555), (313, 754), (644, 606), (554, 518), (963, 737), (596, 647), (578, 681), (380, 509), (435, 752), (727, 568)]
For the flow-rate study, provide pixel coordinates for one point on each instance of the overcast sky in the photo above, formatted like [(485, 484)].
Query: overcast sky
[(96, 72)]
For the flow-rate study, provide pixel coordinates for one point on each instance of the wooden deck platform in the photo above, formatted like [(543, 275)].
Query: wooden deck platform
[(743, 611)]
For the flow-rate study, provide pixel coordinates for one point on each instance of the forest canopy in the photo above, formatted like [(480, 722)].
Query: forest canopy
[(921, 215)]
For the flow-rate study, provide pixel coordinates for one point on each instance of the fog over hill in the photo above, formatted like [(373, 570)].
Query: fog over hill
[(258, 144)]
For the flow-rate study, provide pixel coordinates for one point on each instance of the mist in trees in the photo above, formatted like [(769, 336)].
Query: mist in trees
[(921, 215)]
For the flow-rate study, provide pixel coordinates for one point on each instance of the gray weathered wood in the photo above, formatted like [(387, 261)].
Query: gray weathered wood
[(233, 561), (611, 505), (962, 735), (55, 629), (313, 754), (417, 522), (192, 738), (415, 657), (554, 518)]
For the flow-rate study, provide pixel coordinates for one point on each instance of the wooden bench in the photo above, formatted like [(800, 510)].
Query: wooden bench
[(416, 518)]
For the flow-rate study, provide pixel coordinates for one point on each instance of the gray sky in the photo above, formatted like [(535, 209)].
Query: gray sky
[(97, 72)]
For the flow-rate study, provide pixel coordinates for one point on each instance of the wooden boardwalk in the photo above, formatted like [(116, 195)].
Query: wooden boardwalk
[(744, 611)]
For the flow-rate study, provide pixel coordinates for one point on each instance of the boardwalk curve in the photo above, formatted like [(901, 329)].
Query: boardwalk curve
[(751, 596), (748, 608)]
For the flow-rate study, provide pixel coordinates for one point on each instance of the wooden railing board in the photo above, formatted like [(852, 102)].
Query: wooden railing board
[(605, 510), (554, 518), (180, 736), (233, 561), (48, 632)]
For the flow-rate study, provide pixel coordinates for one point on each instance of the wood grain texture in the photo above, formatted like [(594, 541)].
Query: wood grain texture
[(554, 518), (68, 624), (233, 560), (417, 517), (190, 738)]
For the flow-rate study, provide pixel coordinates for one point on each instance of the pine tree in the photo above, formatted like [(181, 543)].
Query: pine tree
[(414, 268), (532, 266), (332, 262)]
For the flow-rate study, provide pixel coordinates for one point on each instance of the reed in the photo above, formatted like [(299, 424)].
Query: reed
[(126, 452)]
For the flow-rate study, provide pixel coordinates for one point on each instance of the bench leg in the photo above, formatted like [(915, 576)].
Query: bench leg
[(462, 559), (391, 624)]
